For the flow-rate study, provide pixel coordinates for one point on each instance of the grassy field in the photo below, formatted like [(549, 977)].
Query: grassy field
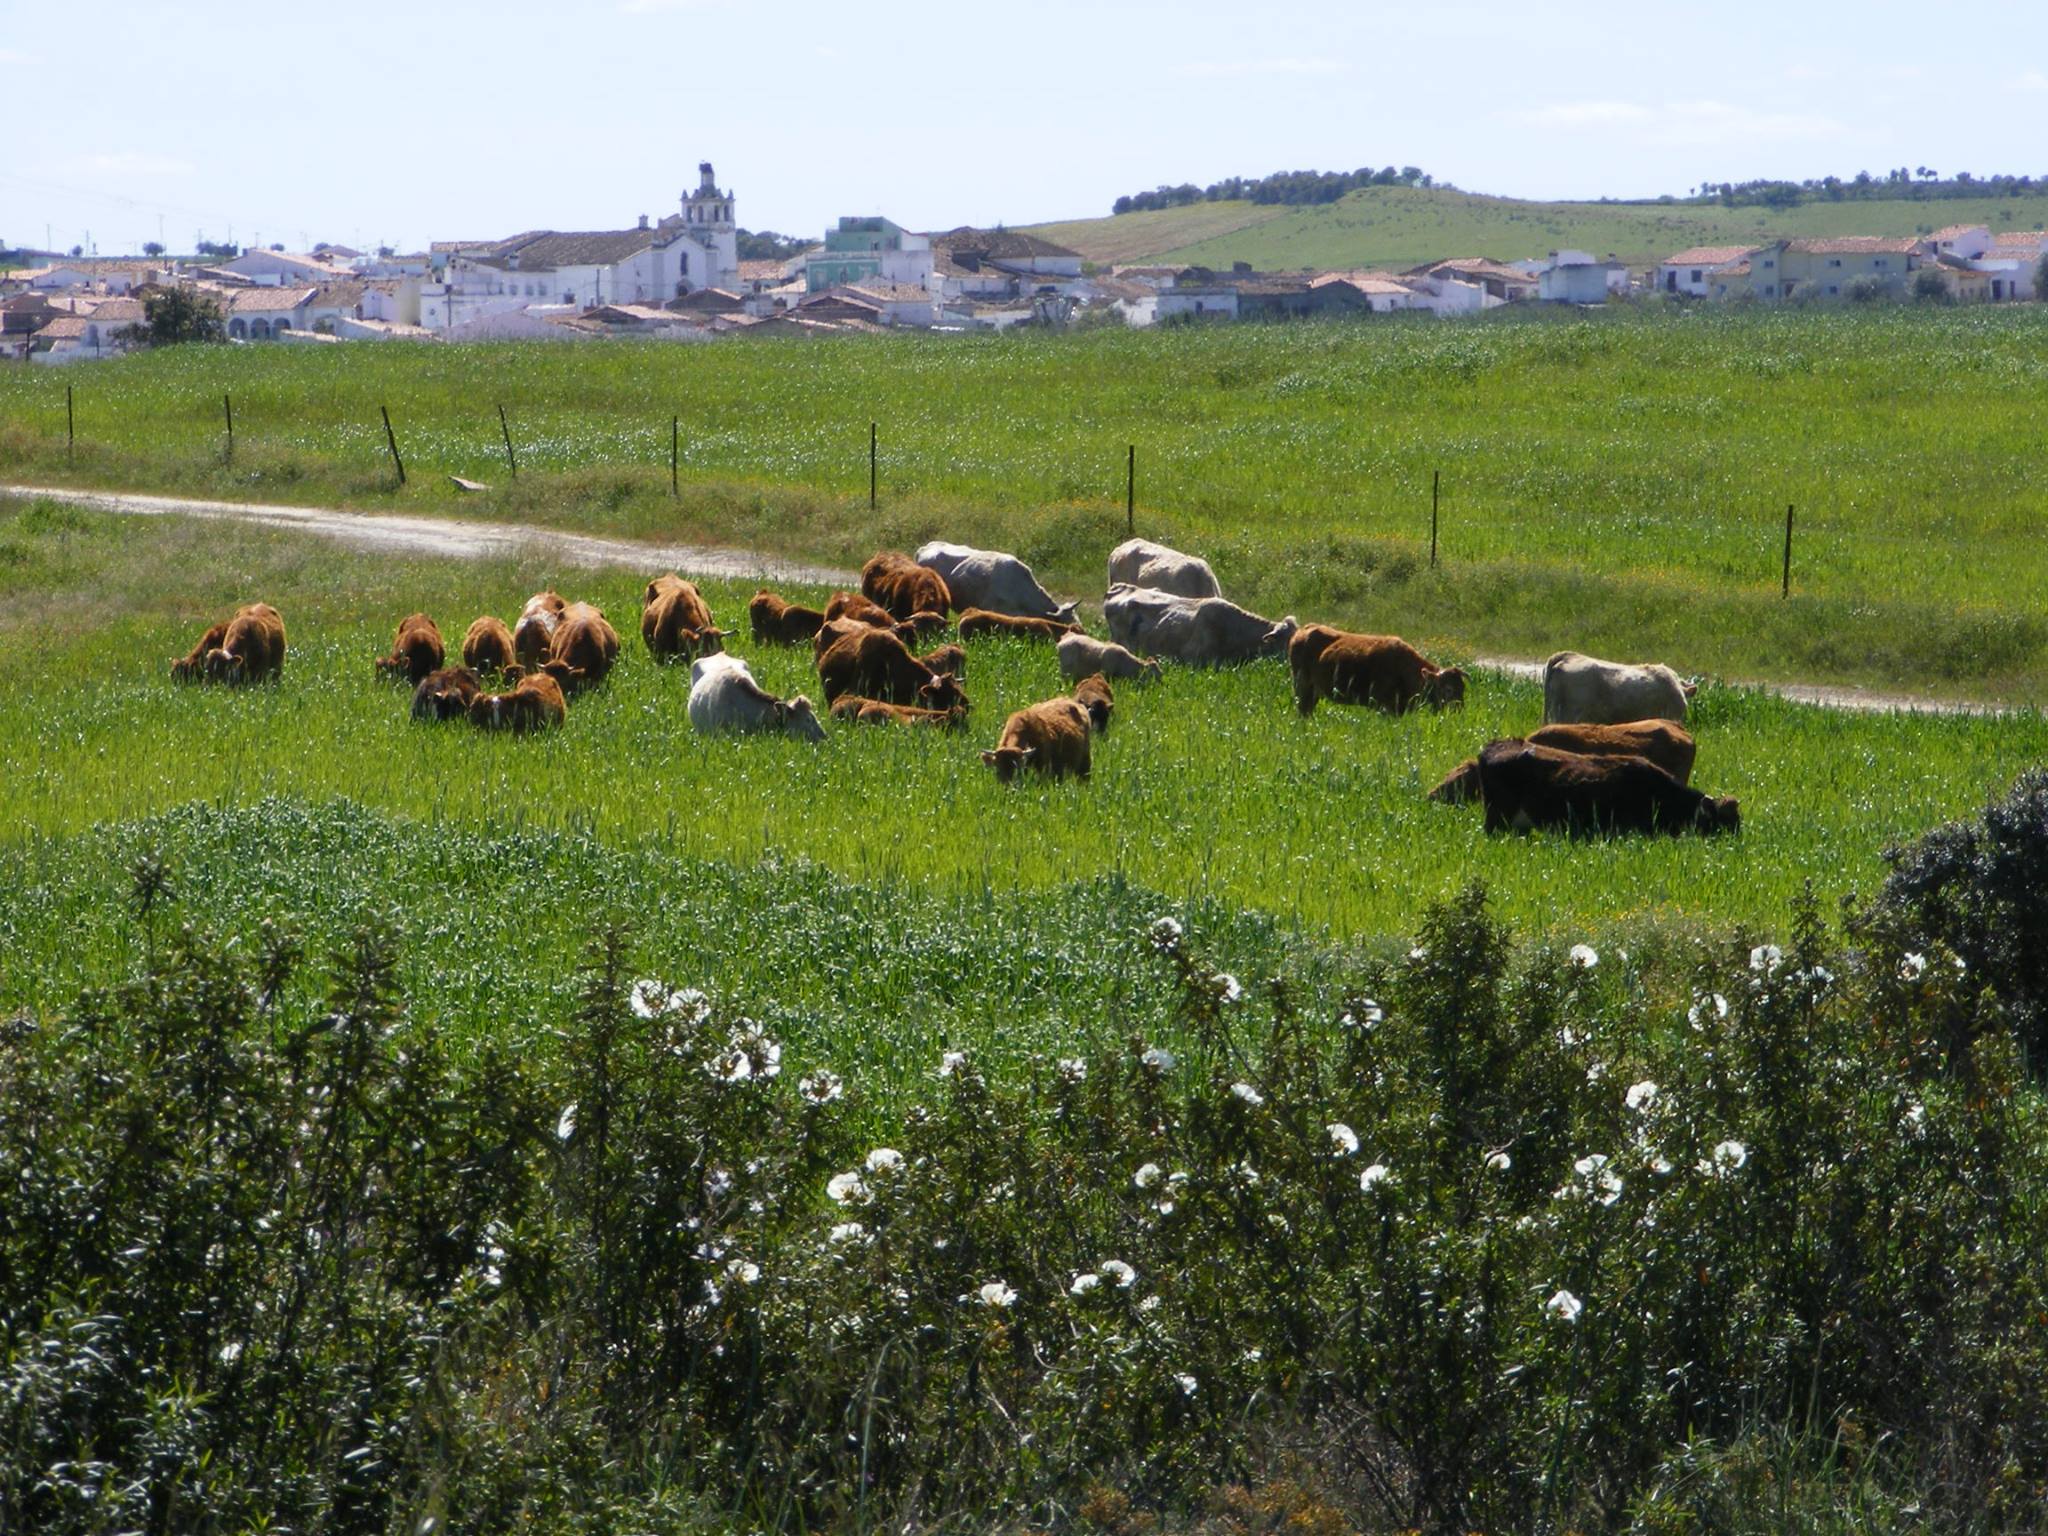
[(1615, 484), (1404, 226)]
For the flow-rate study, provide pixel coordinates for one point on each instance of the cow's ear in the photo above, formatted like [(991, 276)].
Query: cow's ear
[(989, 758)]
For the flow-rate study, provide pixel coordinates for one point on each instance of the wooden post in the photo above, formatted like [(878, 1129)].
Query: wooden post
[(1131, 493), (391, 437), (227, 404), (1786, 591), (505, 427), (70, 426), (1436, 477), (675, 456), (873, 439)]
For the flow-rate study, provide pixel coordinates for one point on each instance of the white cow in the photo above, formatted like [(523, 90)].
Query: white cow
[(1198, 631), (1084, 656), (986, 578), (725, 697), (1141, 563), (1583, 690)]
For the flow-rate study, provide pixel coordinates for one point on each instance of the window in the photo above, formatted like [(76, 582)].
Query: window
[(1882, 261), (1769, 262), (1834, 261), (1832, 289)]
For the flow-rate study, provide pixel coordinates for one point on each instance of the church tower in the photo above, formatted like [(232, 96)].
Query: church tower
[(708, 220)]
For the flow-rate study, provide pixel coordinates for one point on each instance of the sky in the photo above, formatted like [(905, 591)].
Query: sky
[(378, 122)]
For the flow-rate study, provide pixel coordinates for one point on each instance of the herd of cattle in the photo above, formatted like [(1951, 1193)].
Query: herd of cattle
[(1613, 752)]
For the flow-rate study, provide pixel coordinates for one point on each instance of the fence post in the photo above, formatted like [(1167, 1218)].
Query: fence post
[(227, 404), (873, 439), (391, 437), (70, 426), (1786, 590), (505, 427), (1131, 493), (1436, 477), (675, 456)]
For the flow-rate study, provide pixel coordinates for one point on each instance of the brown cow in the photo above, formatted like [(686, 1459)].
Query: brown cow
[(852, 707), (1526, 786), (904, 587), (1094, 695), (1051, 737), (487, 645), (777, 622), (925, 623), (533, 637), (1671, 747), (248, 648), (949, 659), (446, 694), (535, 704), (877, 665), (851, 605), (585, 647), (675, 621), (191, 667), (416, 650), (1380, 670), (836, 630), (976, 622)]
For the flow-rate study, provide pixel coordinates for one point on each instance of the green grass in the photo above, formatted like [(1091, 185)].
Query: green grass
[(1404, 226), (1614, 484)]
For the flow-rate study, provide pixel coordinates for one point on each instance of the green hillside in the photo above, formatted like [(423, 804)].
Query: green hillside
[(1401, 226)]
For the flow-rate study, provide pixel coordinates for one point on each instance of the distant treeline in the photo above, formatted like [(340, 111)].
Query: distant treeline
[(1293, 187), (769, 246), (1921, 183)]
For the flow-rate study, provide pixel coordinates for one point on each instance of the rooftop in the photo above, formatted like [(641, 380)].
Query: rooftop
[(1854, 245), (1708, 255)]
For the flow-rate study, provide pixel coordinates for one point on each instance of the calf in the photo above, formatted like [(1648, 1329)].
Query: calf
[(534, 704), (976, 622), (1584, 690), (1093, 694), (487, 646), (1669, 746), (1381, 670), (191, 667), (415, 651), (1525, 786), (1051, 737), (904, 587), (776, 622), (725, 698), (676, 622), (248, 648), (585, 647), (446, 694), (851, 605), (949, 659), (533, 637), (853, 708), (1083, 656), (877, 665)]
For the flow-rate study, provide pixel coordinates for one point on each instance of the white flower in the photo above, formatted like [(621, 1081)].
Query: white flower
[(648, 997), (730, 1066), (1659, 1163), (1122, 1273), (1374, 1176), (1157, 1058), (1229, 989), (230, 1352), (847, 1189), (565, 1126), (997, 1294), (1149, 1304), (1916, 1116), (1585, 957), (848, 1232), (951, 1062), (1166, 935), (1147, 1175), (1912, 967), (1704, 1006), (1640, 1096), (1418, 953), (884, 1160), (1599, 1182), (1187, 1383), (1765, 958), (1728, 1156), (690, 1005), (1499, 1162), (1343, 1139), (764, 1056), (1365, 1015), (719, 1183), (1247, 1173), (1083, 1284), (1596, 1071), (820, 1087), (1248, 1093), (1564, 1306), (1073, 1069), (746, 1271)]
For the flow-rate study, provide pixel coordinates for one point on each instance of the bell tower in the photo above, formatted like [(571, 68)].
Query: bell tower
[(708, 210)]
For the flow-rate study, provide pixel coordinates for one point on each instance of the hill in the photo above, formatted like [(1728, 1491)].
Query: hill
[(1401, 226)]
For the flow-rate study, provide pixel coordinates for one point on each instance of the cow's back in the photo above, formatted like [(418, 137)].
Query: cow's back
[(1584, 690), (1142, 563)]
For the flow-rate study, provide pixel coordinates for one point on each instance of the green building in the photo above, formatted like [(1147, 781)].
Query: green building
[(863, 248)]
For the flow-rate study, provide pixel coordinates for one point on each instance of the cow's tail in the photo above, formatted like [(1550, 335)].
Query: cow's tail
[(1550, 699)]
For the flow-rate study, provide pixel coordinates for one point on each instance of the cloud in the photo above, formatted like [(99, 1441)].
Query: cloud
[(123, 165), (2031, 80), (1238, 69), (16, 56), (656, 7), (1683, 124)]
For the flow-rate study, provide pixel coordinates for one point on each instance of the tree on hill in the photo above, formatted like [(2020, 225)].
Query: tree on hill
[(175, 315), (153, 248), (769, 246), (1294, 188)]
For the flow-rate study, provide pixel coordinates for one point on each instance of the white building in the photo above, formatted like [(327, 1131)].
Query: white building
[(278, 268), (1574, 277), (1691, 272)]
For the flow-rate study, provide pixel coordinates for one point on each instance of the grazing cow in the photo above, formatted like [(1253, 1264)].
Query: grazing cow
[(1093, 694), (487, 645), (851, 707), (1381, 670), (534, 703), (1141, 563), (837, 630), (984, 578), (1051, 737), (585, 647), (533, 637), (446, 694), (415, 651), (725, 698), (1196, 631), (1083, 655), (976, 622), (248, 648), (777, 622), (1525, 786), (1583, 690), (925, 623), (877, 665), (675, 621), (949, 659), (852, 605), (904, 587), (1669, 746)]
